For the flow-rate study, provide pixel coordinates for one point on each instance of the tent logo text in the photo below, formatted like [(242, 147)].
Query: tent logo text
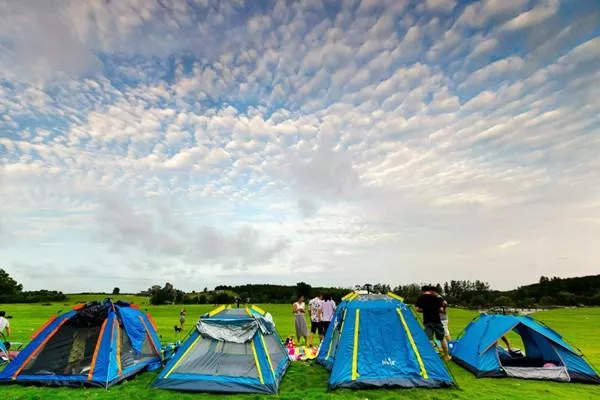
[(388, 361)]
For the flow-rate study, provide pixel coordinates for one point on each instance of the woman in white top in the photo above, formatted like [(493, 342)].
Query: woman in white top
[(298, 308)]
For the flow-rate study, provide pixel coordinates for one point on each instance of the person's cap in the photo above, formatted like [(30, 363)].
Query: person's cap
[(2, 313)]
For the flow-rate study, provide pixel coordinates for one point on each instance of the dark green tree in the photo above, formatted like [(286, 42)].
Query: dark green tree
[(8, 286), (303, 289)]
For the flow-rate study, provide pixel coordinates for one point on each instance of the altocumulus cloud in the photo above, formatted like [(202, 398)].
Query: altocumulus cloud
[(211, 142)]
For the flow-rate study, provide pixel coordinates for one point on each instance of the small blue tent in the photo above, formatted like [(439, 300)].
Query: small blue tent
[(546, 354), (375, 341), (229, 350), (94, 344)]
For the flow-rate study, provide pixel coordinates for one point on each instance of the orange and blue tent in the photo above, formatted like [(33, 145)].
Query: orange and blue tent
[(99, 344)]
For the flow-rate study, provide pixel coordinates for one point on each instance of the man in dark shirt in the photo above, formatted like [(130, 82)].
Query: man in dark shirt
[(431, 306)]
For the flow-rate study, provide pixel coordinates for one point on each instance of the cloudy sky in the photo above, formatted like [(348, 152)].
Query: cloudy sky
[(206, 142)]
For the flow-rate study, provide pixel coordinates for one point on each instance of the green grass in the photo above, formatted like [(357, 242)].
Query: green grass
[(309, 380)]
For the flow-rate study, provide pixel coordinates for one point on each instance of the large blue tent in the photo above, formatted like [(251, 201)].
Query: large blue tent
[(230, 350), (546, 354), (94, 344), (375, 341)]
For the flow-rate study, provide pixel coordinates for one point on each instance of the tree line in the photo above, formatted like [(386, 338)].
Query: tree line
[(548, 291), (462, 293), (12, 292)]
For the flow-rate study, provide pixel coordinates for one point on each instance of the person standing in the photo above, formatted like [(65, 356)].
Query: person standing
[(314, 305), (181, 319), (444, 316), (328, 312), (298, 308), (4, 325), (431, 306)]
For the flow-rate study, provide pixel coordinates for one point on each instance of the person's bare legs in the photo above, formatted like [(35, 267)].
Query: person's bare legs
[(445, 351)]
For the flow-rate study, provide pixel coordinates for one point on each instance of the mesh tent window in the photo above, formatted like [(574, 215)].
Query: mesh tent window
[(273, 348), (69, 352), (129, 356)]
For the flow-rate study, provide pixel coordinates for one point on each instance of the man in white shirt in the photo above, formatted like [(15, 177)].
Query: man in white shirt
[(4, 325), (315, 317)]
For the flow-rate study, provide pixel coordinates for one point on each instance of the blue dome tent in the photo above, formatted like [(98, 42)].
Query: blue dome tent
[(97, 344), (375, 341), (231, 351), (546, 354)]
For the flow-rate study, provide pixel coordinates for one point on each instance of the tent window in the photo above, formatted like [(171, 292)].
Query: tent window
[(211, 357), (335, 337), (130, 357), (276, 353), (68, 352)]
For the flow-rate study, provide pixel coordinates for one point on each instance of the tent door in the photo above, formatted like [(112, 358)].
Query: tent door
[(553, 373)]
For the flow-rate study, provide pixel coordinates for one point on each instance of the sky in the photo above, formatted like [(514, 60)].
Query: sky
[(208, 142)]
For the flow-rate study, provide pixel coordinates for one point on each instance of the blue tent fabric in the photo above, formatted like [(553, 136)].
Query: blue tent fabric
[(477, 350), (64, 353), (206, 363), (370, 344)]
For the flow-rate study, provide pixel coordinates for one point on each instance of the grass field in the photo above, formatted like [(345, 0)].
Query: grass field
[(309, 380)]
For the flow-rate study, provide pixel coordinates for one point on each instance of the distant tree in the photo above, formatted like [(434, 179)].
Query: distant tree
[(8, 286), (446, 289), (116, 291), (478, 301), (205, 290), (222, 298), (595, 300), (202, 299), (303, 289), (503, 301), (165, 295), (547, 301), (566, 298)]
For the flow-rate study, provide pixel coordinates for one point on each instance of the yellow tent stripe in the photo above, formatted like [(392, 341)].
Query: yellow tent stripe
[(262, 339), (119, 366), (258, 310), (216, 311), (248, 311), (346, 297), (355, 348), (260, 375), (183, 356), (413, 345), (395, 296)]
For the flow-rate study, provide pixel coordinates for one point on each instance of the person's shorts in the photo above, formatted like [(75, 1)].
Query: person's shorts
[(315, 327), (325, 326), (434, 331), (446, 329)]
